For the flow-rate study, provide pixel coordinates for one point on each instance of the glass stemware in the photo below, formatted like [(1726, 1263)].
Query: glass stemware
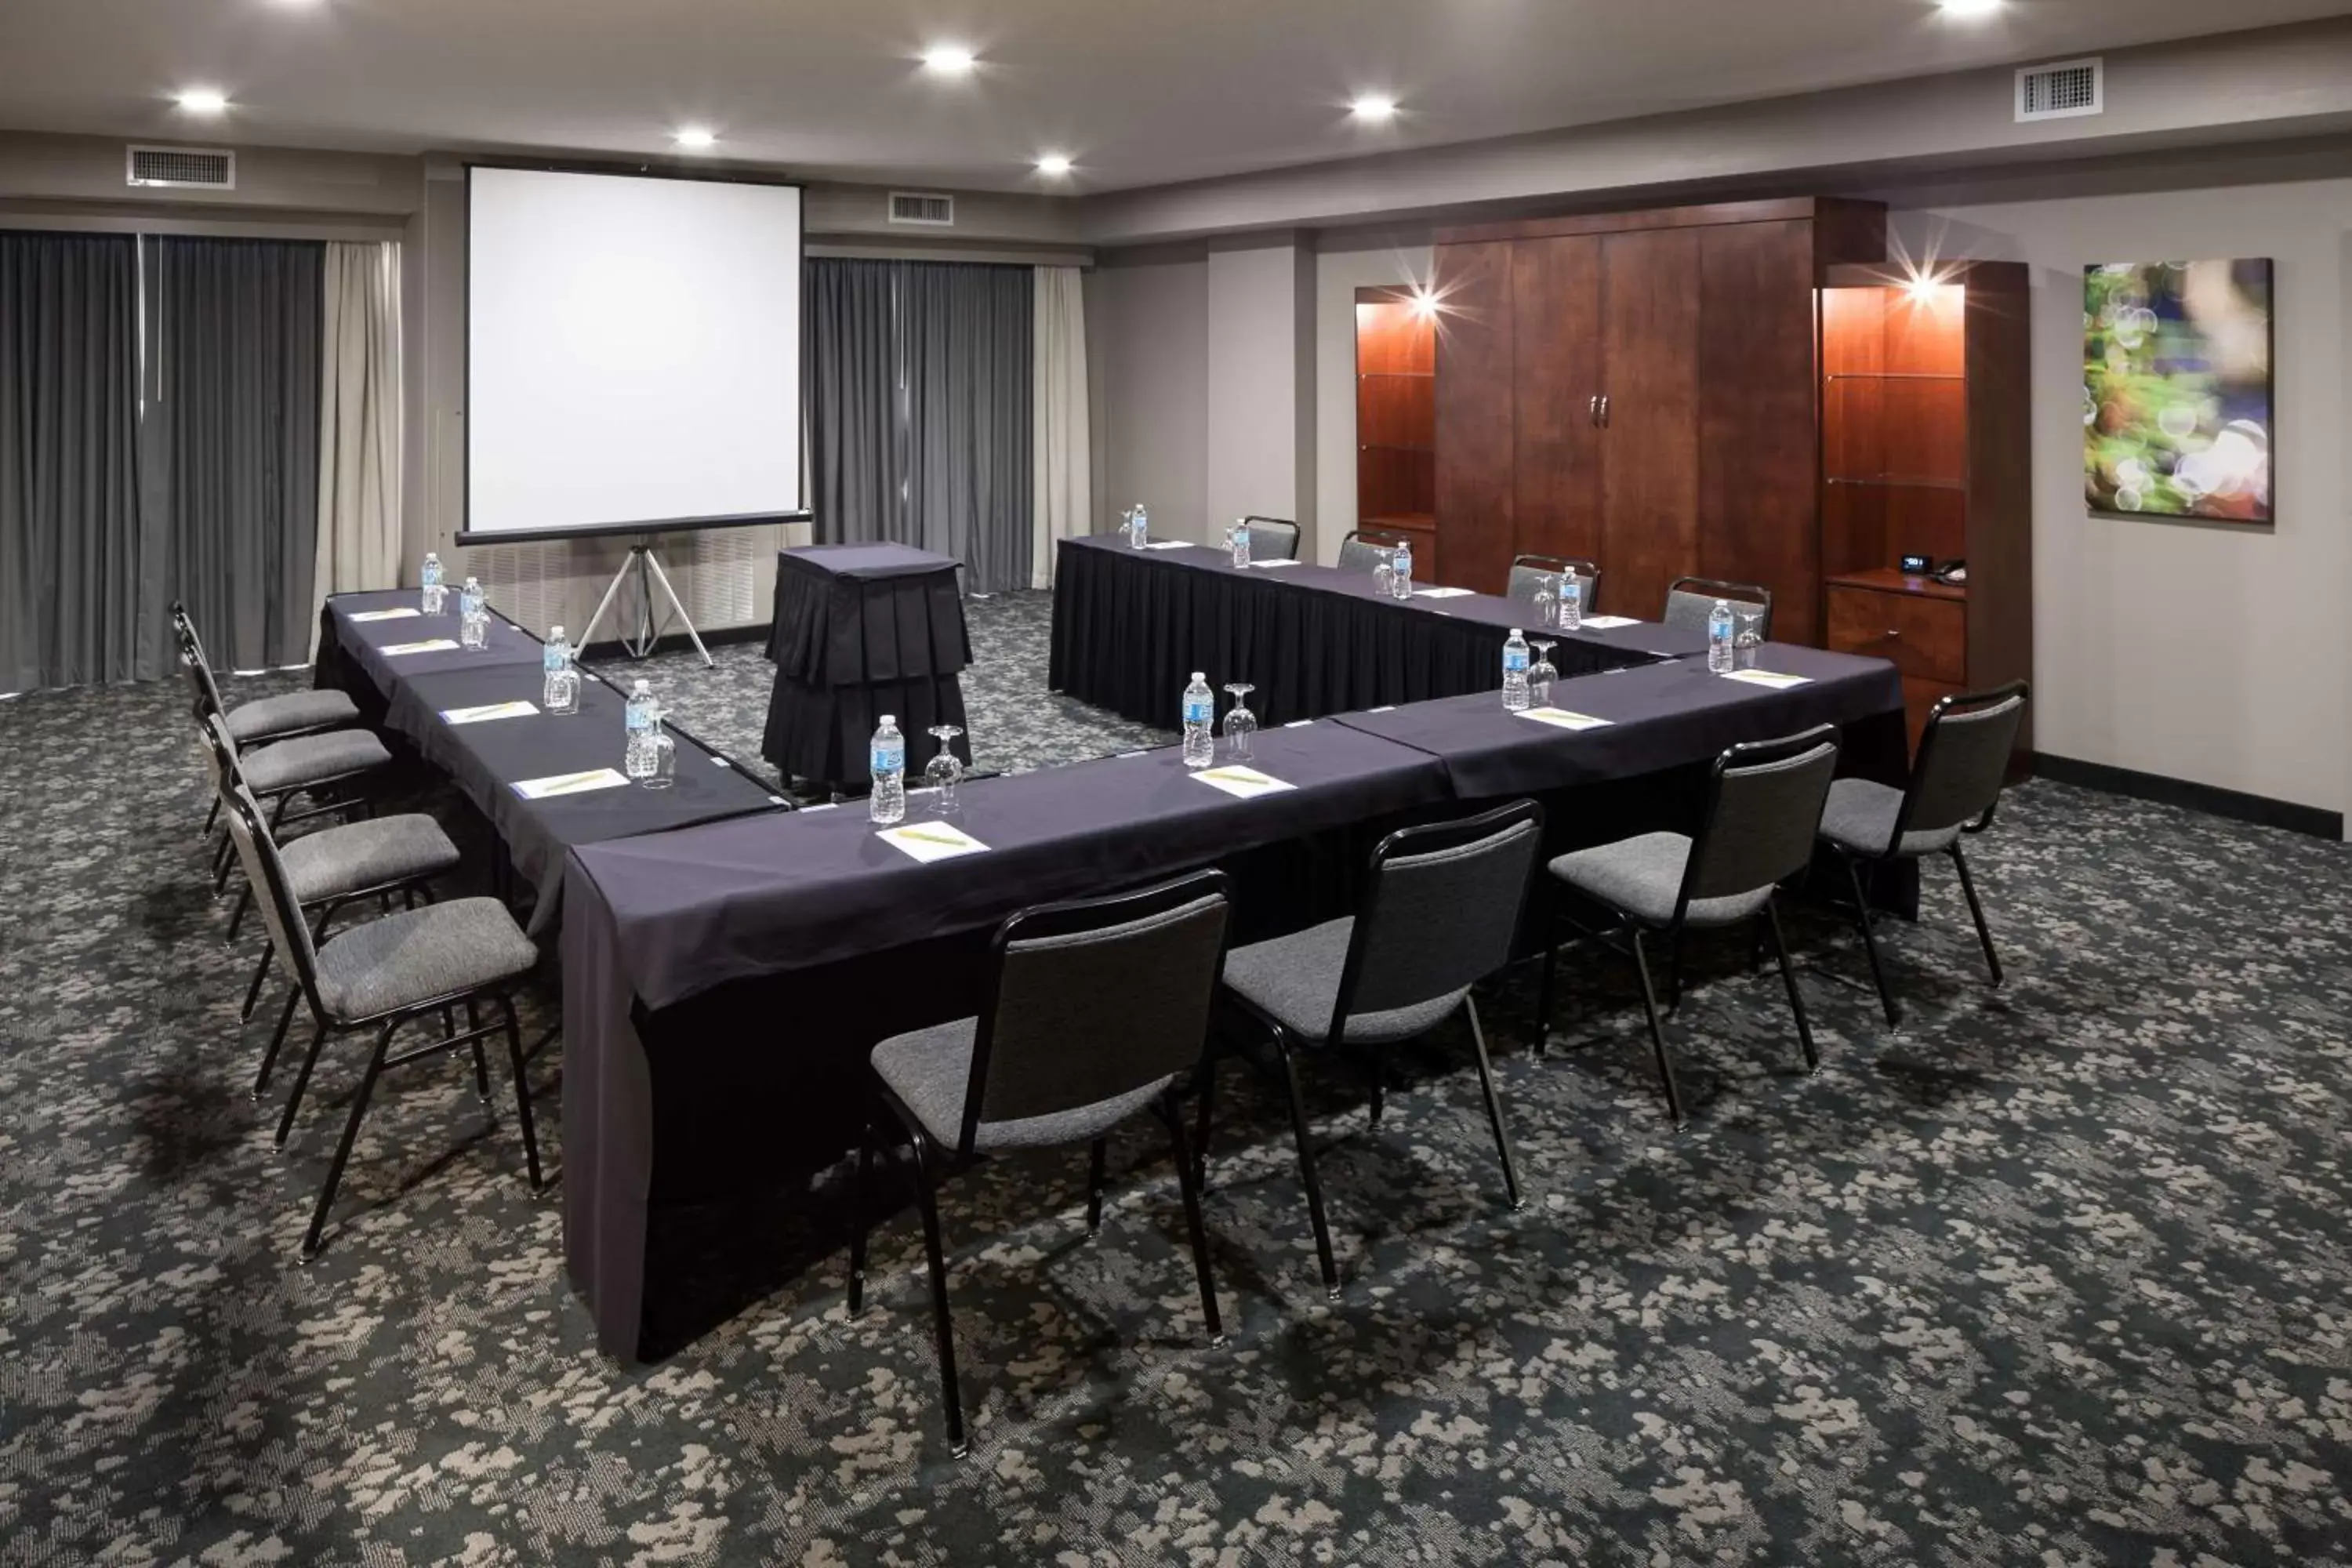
[(1240, 724), (1383, 571), (1747, 637), (1540, 675), (1547, 602), (945, 774)]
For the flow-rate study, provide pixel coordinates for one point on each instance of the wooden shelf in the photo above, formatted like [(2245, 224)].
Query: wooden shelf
[(1410, 374), (1893, 375), (1898, 481), (1887, 580)]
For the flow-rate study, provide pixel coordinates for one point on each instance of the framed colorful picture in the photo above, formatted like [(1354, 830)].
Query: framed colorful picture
[(2177, 388)]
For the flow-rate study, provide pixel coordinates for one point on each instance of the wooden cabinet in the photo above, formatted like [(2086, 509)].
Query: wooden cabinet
[(1396, 419), (1476, 487)]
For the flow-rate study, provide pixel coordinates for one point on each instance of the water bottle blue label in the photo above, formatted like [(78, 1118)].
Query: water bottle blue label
[(1199, 712), (887, 759), (1515, 662)]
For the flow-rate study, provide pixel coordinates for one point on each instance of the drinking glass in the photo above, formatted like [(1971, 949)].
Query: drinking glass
[(1748, 635), (1383, 571), (945, 774), (1240, 724), (1540, 675)]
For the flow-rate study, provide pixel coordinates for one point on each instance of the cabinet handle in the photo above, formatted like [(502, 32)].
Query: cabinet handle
[(1592, 410), (1604, 411)]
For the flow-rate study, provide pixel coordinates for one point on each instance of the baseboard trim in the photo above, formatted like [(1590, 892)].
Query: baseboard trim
[(2235, 805), (675, 642)]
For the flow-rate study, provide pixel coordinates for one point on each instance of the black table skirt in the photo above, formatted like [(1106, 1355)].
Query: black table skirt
[(821, 732), (856, 614), (1130, 627)]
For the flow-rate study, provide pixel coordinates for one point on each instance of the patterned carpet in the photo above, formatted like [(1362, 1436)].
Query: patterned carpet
[(2053, 1274)]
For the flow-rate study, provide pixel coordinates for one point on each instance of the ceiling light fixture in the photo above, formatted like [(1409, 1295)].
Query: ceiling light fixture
[(1970, 8), (948, 59), (1373, 106), (695, 138), (203, 100), (1053, 165)]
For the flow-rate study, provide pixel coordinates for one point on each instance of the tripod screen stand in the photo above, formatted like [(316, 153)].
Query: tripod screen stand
[(649, 574)]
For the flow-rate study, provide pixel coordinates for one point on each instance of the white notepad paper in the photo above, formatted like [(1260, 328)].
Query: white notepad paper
[(1271, 566), (1561, 719), (487, 712), (430, 644), (1440, 593), (929, 841), (570, 783), (387, 615), (1169, 544), (1605, 623), (1243, 783), (1770, 680)]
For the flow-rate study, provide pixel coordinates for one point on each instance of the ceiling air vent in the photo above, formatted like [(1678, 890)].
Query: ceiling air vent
[(920, 208), (194, 168), (2064, 92)]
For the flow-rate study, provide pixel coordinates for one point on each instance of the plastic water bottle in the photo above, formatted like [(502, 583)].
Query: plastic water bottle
[(558, 691), (640, 722), (1200, 724), (1572, 602), (1139, 527), (433, 597), (1515, 672), (1400, 570), (887, 763), (1719, 652), (473, 615), (1241, 542), (661, 752)]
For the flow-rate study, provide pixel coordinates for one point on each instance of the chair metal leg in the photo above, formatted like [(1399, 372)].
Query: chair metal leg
[(522, 1088), (481, 1058), (1541, 1033), (343, 1149), (1657, 1034), (1174, 1115), (1378, 1066), (237, 915), (926, 1197), (1208, 1077), (1796, 999), (223, 859), (260, 974), (861, 1217), (301, 1082), (1976, 912), (1870, 941), (1307, 1167), (277, 1040), (1493, 1106), (212, 815), (1094, 1186)]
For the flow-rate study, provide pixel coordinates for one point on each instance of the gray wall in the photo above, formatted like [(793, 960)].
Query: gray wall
[(1150, 326)]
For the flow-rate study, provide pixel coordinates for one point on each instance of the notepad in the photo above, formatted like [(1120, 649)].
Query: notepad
[(1770, 680), (487, 712), (430, 644), (1440, 593), (1605, 623), (387, 615), (1244, 784), (1168, 544), (929, 841), (1272, 565), (570, 783), (1561, 719)]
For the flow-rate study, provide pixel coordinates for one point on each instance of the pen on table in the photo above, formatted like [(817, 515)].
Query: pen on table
[(928, 837)]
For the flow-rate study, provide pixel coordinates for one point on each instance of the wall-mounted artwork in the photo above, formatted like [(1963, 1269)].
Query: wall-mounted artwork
[(2177, 388)]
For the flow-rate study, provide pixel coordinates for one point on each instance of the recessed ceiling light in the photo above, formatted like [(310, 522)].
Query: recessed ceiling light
[(695, 138), (1970, 8), (1054, 164), (948, 60), (1373, 106), (203, 100)]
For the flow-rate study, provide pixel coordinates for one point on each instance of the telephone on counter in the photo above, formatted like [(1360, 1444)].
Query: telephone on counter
[(1952, 572), (1955, 573)]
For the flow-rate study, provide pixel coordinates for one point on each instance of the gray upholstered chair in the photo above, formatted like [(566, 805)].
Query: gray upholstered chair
[(1763, 806), (263, 717), (329, 867), (328, 767), (1530, 573), (1439, 911), (383, 975), (1362, 551), (1098, 1011), (1955, 789), (1273, 538), (1690, 600)]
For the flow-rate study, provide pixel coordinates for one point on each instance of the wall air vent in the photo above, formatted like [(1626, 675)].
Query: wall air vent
[(923, 208), (2066, 91), (189, 168)]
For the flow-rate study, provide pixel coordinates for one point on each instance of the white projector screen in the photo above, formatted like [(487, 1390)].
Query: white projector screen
[(632, 355)]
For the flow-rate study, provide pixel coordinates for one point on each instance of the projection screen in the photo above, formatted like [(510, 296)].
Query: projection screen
[(632, 355)]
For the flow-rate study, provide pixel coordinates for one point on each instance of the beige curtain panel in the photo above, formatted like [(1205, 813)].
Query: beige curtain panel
[(359, 421), (1063, 447)]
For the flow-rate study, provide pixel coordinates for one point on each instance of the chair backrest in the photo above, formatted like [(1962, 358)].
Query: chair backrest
[(1690, 600), (1963, 756), (1362, 551), (1096, 999), (1273, 538), (1529, 573), (201, 685), (1763, 808), (288, 933), (1439, 911)]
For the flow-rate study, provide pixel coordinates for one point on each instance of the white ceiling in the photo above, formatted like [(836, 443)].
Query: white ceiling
[(1138, 91)]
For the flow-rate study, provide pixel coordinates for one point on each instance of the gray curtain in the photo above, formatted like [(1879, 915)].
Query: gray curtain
[(230, 441), (79, 586), (920, 411)]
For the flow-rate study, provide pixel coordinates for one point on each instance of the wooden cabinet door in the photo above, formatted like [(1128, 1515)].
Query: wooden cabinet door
[(1759, 459), (1649, 435), (1475, 497), (1556, 299)]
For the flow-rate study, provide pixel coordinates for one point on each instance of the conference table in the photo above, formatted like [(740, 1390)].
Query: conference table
[(858, 631), (1132, 626), (722, 985), (451, 705)]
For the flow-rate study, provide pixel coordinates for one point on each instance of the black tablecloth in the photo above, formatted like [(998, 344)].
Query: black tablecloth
[(484, 759), (1132, 626), (861, 630)]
